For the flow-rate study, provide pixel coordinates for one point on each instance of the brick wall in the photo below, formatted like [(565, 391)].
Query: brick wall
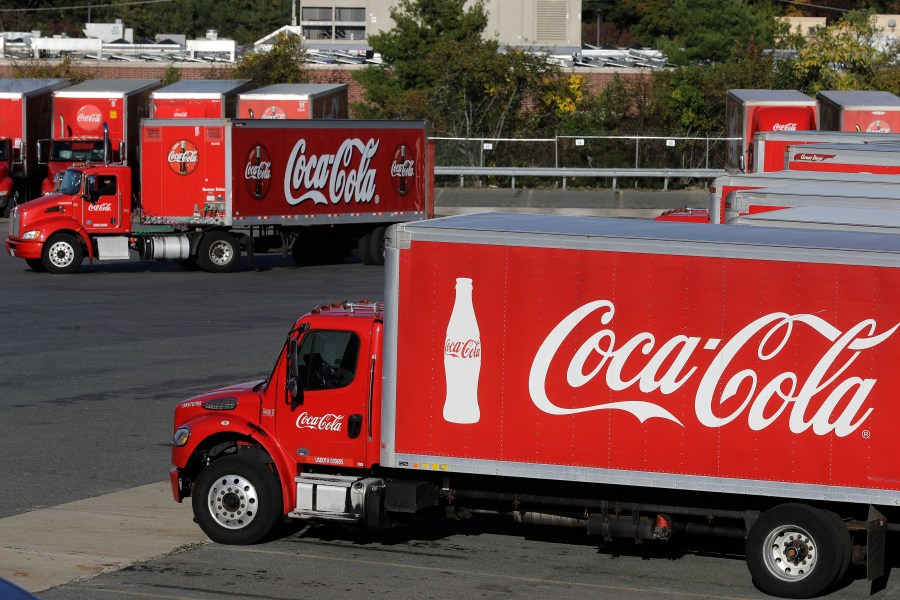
[(596, 79)]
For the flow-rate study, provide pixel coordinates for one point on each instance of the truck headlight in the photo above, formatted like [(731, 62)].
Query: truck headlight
[(31, 235), (182, 434)]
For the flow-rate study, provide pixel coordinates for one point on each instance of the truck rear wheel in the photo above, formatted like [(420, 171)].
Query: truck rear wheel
[(362, 246), (218, 252), (62, 253), (236, 501), (796, 551), (376, 246)]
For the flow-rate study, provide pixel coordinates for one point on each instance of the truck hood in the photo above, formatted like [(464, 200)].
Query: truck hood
[(235, 399)]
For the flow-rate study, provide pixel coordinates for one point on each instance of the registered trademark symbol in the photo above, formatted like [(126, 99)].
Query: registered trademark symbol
[(866, 434)]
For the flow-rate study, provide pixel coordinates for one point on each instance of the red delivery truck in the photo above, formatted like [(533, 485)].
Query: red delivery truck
[(769, 417), (771, 146), (212, 188), (294, 101), (750, 111), (879, 158), (24, 106), (80, 115), (198, 99), (825, 195), (859, 110)]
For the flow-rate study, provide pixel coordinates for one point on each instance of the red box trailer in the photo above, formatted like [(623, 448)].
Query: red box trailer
[(295, 101), (771, 146), (24, 106), (868, 111), (825, 195), (879, 158), (605, 405), (198, 99), (750, 111), (83, 111), (723, 187), (212, 188), (844, 218)]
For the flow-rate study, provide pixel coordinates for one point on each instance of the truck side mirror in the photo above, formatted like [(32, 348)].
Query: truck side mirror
[(294, 389), (43, 148)]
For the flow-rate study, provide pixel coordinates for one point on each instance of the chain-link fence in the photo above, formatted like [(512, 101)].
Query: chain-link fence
[(592, 152)]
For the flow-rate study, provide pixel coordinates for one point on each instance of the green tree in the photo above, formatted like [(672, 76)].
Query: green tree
[(45, 69), (701, 30), (841, 56), (436, 66), (283, 63)]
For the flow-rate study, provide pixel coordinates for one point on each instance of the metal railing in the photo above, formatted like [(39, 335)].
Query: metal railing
[(506, 161)]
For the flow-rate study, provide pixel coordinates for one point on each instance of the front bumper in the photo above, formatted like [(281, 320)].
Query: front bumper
[(175, 480), (24, 248)]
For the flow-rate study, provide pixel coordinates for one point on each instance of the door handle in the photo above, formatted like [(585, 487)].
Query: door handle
[(354, 426)]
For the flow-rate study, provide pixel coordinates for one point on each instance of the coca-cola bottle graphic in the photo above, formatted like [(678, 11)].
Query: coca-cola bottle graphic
[(182, 168), (402, 190), (258, 191), (462, 358)]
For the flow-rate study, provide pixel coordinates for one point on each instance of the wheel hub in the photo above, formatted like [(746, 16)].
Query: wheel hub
[(791, 553), (232, 502)]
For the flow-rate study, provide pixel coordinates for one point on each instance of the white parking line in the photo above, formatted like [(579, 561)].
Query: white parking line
[(50, 547)]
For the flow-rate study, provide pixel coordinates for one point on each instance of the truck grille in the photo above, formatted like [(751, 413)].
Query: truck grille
[(14, 223)]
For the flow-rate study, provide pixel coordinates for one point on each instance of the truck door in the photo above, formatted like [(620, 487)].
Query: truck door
[(102, 210), (324, 423)]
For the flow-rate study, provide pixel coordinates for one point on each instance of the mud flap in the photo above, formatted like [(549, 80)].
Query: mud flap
[(876, 538)]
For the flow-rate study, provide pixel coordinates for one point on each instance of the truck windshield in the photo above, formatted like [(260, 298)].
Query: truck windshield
[(71, 183), (4, 150), (77, 151)]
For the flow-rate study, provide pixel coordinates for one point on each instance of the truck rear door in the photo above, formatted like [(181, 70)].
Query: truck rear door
[(326, 423)]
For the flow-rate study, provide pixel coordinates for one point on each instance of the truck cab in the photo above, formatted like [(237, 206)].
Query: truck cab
[(286, 438), (89, 214), (61, 154), (7, 187)]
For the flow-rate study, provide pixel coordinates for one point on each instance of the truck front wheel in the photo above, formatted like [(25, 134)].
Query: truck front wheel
[(795, 551), (236, 501), (62, 253), (218, 252)]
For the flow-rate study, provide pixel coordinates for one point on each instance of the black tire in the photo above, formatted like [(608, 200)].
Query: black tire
[(36, 265), (218, 252), (795, 551), (62, 254), (362, 246), (376, 245), (188, 264), (846, 544), (236, 501)]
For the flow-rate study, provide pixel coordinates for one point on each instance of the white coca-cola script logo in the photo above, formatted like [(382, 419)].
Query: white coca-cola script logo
[(180, 114), (345, 175), (100, 207), (273, 112), (89, 117), (329, 422), (261, 171), (462, 348), (666, 367), (403, 169), (784, 127), (183, 157)]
